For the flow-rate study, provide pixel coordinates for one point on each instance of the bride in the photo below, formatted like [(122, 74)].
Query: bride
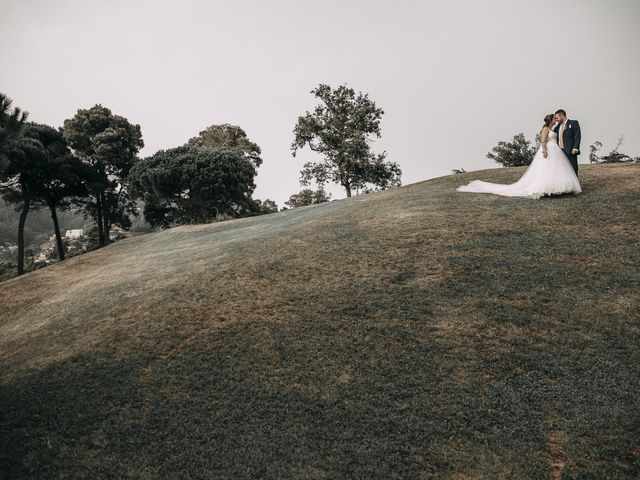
[(550, 172)]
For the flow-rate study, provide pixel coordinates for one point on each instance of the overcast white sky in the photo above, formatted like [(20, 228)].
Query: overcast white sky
[(454, 77)]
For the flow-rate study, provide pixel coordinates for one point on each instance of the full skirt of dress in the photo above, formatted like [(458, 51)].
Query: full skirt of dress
[(545, 176)]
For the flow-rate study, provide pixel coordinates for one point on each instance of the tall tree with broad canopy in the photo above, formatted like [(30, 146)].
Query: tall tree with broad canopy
[(230, 137), (11, 125), (109, 144), (42, 172), (340, 129), (186, 185), (18, 186), (62, 178)]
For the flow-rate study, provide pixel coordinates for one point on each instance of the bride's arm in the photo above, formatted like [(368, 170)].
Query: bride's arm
[(544, 135)]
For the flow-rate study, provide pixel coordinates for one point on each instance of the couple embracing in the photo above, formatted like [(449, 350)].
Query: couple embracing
[(554, 169)]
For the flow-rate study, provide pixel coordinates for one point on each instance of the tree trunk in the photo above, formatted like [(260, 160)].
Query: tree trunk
[(23, 219), (106, 223), (345, 182), (56, 227), (99, 219)]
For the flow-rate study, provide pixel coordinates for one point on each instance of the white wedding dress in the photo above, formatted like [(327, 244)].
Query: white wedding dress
[(545, 176)]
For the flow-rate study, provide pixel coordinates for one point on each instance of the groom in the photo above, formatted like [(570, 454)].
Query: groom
[(568, 137)]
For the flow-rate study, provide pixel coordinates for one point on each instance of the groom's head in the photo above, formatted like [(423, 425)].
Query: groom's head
[(561, 116)]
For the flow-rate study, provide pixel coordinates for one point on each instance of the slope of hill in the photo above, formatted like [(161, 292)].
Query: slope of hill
[(413, 333)]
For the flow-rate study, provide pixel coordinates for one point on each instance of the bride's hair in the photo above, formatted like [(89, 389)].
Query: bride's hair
[(548, 120)]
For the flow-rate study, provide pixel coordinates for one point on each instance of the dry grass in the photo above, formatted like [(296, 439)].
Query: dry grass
[(414, 333)]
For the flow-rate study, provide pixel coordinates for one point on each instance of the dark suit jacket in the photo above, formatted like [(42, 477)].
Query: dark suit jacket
[(571, 136)]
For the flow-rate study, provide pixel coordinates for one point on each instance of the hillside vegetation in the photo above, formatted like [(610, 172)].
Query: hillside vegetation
[(38, 226), (413, 333)]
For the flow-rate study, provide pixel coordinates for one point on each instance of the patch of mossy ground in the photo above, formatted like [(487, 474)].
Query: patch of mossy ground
[(413, 333)]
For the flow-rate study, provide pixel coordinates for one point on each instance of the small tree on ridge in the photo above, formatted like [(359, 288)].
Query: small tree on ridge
[(340, 129)]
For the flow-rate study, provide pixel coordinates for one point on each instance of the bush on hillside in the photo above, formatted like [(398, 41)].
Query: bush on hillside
[(516, 153), (614, 156)]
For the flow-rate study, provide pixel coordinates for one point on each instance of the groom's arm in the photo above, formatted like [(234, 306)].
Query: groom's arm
[(577, 136)]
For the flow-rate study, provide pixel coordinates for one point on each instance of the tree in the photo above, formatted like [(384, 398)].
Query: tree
[(11, 125), (340, 129), (42, 173), (230, 137), (109, 144), (266, 206), (27, 158), (614, 156), (518, 152), (59, 179), (188, 184), (307, 197)]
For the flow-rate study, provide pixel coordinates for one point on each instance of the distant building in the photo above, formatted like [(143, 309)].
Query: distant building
[(74, 233)]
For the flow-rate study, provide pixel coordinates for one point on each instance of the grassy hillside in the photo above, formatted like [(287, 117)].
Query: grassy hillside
[(413, 333)]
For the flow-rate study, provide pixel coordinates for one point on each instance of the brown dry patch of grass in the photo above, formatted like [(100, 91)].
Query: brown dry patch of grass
[(557, 440)]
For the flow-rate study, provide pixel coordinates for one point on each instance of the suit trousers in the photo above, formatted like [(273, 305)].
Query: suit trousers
[(573, 159)]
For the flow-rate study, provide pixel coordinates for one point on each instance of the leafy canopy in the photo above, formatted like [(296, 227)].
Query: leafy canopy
[(186, 185), (11, 125), (263, 207), (108, 142), (307, 197), (230, 137), (518, 152), (60, 175)]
